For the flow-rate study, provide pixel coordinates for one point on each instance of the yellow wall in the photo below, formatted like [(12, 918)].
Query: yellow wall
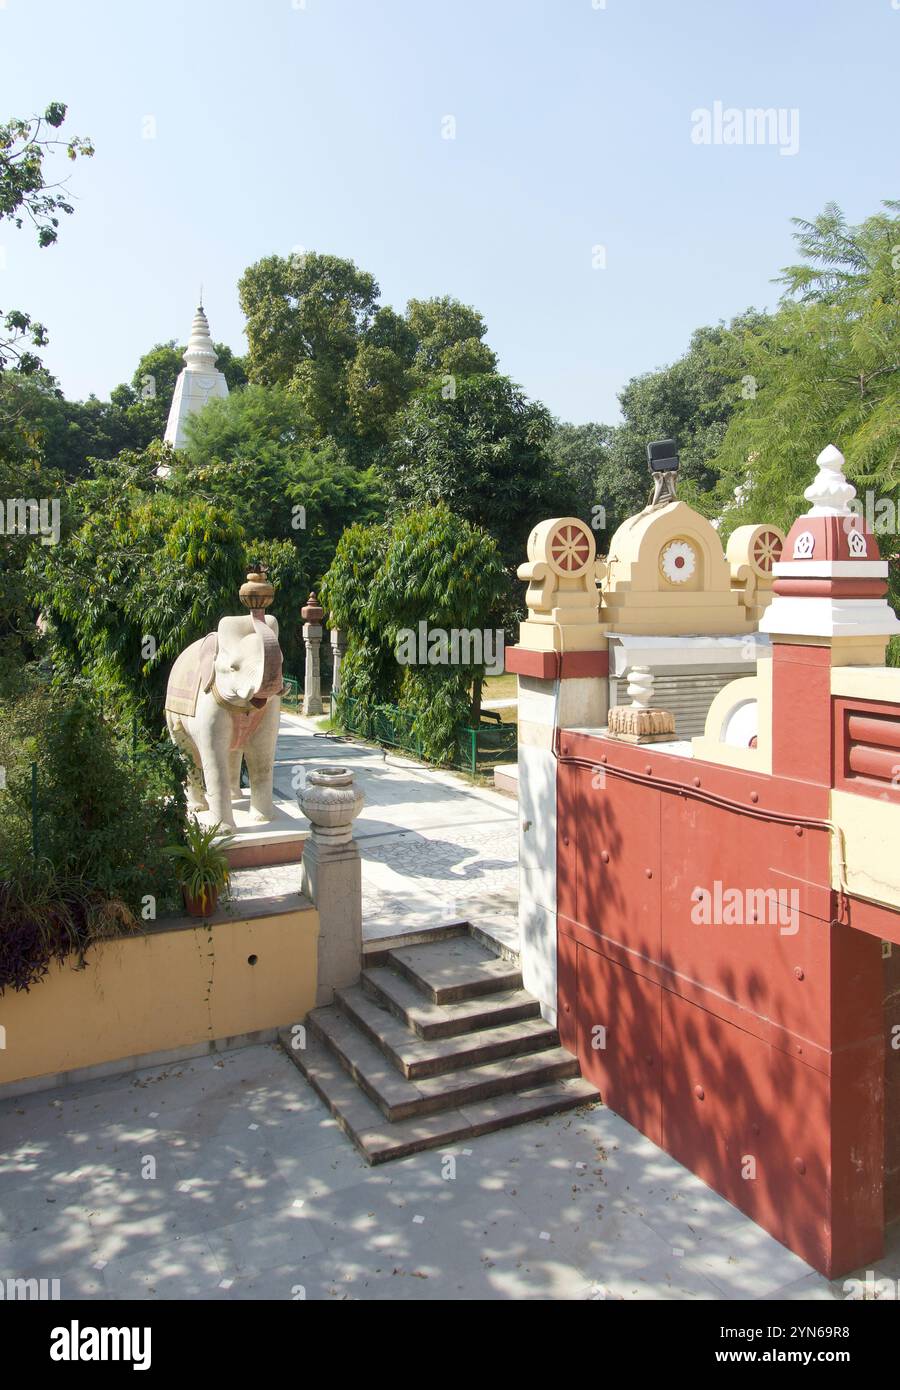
[(165, 990), (871, 836)]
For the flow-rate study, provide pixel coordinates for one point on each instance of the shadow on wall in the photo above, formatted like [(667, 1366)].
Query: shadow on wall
[(676, 1022)]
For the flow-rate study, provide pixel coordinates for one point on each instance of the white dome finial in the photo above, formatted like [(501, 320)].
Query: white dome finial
[(200, 353), (829, 492)]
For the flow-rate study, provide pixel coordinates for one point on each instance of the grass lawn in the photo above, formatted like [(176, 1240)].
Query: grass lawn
[(500, 688)]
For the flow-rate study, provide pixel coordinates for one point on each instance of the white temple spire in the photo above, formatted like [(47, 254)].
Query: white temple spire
[(198, 383)]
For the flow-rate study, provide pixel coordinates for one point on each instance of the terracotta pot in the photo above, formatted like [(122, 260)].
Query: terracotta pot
[(202, 906)]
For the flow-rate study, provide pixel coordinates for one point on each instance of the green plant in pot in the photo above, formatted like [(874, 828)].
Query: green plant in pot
[(201, 864)]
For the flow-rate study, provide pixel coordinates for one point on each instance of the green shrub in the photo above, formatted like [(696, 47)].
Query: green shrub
[(428, 566), (103, 812)]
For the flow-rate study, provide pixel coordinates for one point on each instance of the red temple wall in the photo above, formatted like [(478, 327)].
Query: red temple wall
[(754, 1055)]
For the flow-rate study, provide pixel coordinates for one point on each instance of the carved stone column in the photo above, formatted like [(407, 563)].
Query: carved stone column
[(338, 647), (312, 615), (331, 875)]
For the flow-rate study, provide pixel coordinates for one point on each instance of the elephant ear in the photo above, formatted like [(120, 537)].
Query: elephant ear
[(193, 671), (252, 642)]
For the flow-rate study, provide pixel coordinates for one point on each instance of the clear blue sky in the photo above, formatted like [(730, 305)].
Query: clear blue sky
[(281, 124)]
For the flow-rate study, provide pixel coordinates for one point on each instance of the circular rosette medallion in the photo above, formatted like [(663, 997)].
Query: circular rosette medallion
[(678, 562)]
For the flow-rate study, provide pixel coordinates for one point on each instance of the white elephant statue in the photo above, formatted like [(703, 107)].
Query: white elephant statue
[(223, 703)]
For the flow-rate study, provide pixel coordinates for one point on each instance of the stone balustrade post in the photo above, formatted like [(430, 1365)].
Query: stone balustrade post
[(338, 648), (331, 875), (312, 614)]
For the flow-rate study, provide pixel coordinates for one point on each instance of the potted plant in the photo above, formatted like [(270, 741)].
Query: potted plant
[(202, 866)]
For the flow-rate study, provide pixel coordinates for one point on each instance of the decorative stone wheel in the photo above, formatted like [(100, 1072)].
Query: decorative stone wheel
[(765, 550), (565, 544), (759, 547)]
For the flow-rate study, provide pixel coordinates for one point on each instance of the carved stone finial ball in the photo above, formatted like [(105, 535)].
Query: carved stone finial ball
[(257, 593), (312, 611)]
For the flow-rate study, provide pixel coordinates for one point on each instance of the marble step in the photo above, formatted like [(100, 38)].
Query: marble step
[(415, 1057), (455, 969), (430, 1020), (400, 1099), (379, 1140)]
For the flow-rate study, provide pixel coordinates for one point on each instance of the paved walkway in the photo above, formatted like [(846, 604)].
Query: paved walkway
[(434, 847), (226, 1178)]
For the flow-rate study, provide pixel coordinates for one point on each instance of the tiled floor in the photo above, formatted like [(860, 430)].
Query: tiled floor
[(226, 1178), (434, 848)]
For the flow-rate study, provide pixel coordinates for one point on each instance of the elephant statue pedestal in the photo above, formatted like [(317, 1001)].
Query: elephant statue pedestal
[(254, 843)]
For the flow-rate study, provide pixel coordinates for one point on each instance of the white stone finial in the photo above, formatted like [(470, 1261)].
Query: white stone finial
[(200, 353), (640, 687), (829, 492)]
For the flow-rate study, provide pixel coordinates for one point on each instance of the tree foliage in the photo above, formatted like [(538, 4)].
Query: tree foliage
[(827, 371), (84, 859), (693, 401), (26, 196), (578, 457), (480, 448), (142, 573), (314, 324), (429, 566)]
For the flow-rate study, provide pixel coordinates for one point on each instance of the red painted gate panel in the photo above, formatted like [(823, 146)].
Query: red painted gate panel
[(618, 862), (750, 1120), (619, 1039)]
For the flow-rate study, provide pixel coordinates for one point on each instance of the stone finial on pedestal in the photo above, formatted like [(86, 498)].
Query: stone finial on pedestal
[(331, 875), (338, 648), (831, 583), (639, 722), (312, 613)]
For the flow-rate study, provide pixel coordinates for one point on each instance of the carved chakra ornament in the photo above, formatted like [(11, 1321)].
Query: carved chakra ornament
[(562, 590)]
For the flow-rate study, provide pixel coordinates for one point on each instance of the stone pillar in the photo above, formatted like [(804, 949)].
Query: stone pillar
[(312, 615), (554, 691), (338, 647), (331, 875)]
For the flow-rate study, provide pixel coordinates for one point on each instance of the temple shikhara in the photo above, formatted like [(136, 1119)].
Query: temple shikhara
[(709, 787)]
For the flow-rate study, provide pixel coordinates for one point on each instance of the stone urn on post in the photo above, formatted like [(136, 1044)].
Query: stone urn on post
[(331, 875), (312, 613)]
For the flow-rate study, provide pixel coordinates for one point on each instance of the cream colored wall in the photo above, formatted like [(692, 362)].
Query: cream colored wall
[(869, 826), (165, 990), (867, 683), (868, 840), (709, 746)]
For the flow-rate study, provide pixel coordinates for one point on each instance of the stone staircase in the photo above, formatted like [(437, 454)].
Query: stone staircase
[(438, 1043)]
